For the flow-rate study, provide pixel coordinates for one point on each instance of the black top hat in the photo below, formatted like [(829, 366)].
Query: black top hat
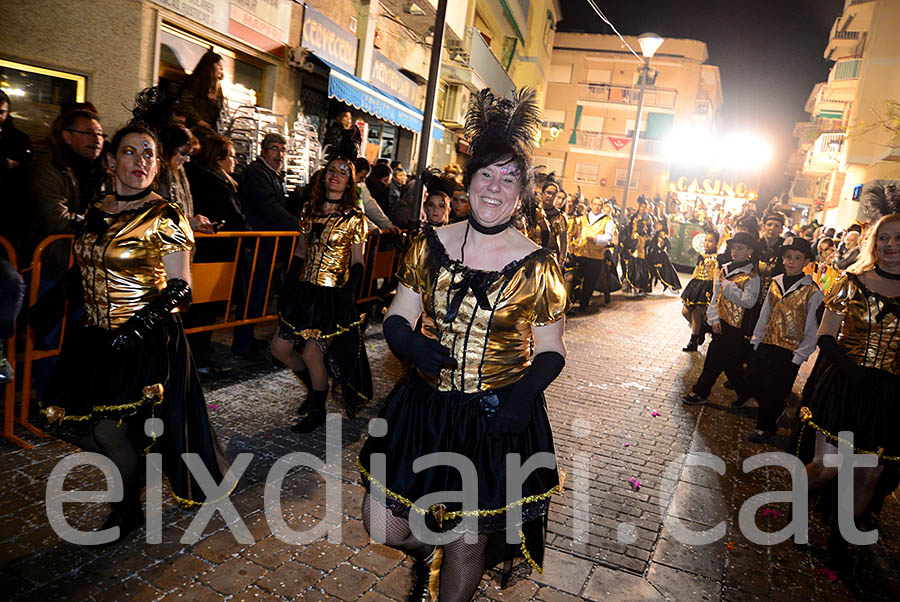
[(797, 243), (744, 238)]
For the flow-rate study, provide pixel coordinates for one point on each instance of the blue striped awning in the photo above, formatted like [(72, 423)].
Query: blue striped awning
[(366, 97)]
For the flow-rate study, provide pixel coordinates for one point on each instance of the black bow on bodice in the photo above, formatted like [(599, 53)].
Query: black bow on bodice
[(889, 307), (476, 281)]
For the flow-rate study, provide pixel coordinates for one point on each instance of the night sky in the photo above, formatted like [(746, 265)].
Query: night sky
[(769, 54)]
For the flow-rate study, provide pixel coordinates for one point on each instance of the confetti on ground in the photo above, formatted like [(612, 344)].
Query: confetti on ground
[(627, 445), (831, 575), (635, 483), (771, 512), (731, 546), (212, 406), (654, 413), (634, 385)]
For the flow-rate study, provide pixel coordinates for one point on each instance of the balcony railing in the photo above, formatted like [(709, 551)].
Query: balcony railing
[(603, 141), (854, 2), (663, 98), (475, 54), (846, 69), (824, 155)]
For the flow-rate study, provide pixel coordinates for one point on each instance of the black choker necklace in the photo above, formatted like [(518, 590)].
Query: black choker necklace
[(128, 198), (887, 275), (487, 229)]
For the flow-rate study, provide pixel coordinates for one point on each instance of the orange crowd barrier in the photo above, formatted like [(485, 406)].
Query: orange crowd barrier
[(213, 281)]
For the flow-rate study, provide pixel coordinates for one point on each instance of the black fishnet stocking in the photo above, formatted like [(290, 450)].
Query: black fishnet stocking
[(395, 529), (111, 440), (462, 569)]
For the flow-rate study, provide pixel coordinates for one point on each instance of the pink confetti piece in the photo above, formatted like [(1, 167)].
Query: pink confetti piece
[(635, 483), (266, 436), (627, 445), (771, 512), (831, 575), (212, 406), (654, 413)]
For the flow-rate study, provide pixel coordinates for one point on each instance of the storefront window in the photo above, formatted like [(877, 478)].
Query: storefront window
[(37, 94), (388, 140)]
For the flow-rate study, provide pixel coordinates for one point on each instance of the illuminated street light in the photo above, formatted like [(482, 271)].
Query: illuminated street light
[(650, 43)]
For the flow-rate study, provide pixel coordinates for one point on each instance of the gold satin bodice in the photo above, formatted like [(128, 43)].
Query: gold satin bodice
[(642, 232), (583, 233), (707, 267), (729, 311), (868, 341), (557, 229), (329, 242), (121, 267), (787, 317), (491, 346)]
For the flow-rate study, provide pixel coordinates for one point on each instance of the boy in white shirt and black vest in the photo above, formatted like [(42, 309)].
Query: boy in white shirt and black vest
[(784, 337), (734, 293)]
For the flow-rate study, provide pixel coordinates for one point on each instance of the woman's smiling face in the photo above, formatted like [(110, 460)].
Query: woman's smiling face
[(494, 192)]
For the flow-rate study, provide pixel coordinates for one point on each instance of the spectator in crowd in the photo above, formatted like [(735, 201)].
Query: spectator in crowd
[(439, 190), (172, 182), (459, 206), (378, 182), (396, 187), (261, 192), (342, 138), (12, 292), (375, 217), (850, 248), (202, 100), (15, 157), (64, 182)]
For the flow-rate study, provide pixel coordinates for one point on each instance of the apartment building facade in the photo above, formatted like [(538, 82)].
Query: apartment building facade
[(592, 95), (844, 147)]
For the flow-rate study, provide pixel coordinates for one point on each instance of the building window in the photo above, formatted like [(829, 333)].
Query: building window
[(37, 94), (599, 76), (561, 74), (621, 174), (587, 173), (629, 127), (554, 118), (554, 165), (847, 69), (591, 123)]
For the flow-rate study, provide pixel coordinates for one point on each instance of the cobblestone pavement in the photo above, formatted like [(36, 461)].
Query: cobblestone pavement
[(617, 416)]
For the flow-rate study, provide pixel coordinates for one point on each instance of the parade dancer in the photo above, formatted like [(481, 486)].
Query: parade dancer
[(551, 226), (128, 359), (492, 306), (658, 256), (734, 292), (698, 292), (858, 388), (317, 310), (784, 337), (637, 268)]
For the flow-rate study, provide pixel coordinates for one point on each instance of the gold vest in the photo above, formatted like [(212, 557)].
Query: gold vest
[(583, 244), (787, 319), (729, 311)]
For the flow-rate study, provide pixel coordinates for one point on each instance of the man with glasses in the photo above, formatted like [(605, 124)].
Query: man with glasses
[(264, 201)]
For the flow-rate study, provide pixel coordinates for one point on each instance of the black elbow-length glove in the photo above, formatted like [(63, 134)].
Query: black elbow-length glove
[(425, 353), (176, 294), (515, 411)]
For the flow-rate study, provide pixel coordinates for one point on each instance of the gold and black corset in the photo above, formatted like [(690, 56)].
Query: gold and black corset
[(707, 267), (484, 318), (120, 258), (869, 331), (329, 241)]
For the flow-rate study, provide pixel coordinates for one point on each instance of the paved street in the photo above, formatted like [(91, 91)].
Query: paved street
[(617, 416)]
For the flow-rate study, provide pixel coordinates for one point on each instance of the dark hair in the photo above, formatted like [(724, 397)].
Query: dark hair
[(349, 199), (67, 107), (380, 170), (502, 156), (214, 149), (203, 81), (395, 164), (171, 138), (67, 120), (272, 138), (362, 164), (131, 129), (4, 98)]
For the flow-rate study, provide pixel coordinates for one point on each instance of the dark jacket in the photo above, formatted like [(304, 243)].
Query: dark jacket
[(341, 143), (216, 198), (263, 199)]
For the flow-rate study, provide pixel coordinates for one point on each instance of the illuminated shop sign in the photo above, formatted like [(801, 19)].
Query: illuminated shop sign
[(328, 40)]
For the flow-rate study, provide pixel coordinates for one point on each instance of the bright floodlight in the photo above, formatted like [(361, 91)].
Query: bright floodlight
[(745, 151), (649, 42), (689, 146)]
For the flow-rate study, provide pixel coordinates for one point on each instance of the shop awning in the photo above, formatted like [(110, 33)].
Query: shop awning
[(359, 94)]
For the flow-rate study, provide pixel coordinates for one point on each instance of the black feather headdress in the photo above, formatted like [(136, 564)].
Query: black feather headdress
[(153, 108), (881, 198), (436, 182)]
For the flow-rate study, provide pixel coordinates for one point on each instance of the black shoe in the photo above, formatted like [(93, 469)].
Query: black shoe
[(740, 402), (761, 437), (606, 298), (692, 346), (426, 577), (701, 338), (316, 416), (695, 400)]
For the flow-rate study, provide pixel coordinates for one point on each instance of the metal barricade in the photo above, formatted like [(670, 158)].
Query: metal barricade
[(9, 391)]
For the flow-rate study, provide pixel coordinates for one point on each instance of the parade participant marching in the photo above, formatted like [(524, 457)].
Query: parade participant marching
[(128, 360), (767, 258), (637, 268), (658, 255), (734, 292), (492, 305), (551, 226), (317, 310), (784, 337), (593, 238), (698, 292), (858, 388)]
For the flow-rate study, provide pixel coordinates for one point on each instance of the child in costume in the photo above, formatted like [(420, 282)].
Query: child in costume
[(698, 292)]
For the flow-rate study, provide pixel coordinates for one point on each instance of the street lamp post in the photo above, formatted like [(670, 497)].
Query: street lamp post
[(649, 42)]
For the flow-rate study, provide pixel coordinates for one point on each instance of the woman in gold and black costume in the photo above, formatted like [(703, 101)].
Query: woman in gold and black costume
[(857, 387), (317, 310), (637, 266), (128, 360), (551, 227), (492, 305)]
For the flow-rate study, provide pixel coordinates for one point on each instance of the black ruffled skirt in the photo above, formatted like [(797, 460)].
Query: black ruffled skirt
[(422, 420), (867, 405), (324, 313), (637, 273), (664, 271), (697, 292), (154, 379)]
